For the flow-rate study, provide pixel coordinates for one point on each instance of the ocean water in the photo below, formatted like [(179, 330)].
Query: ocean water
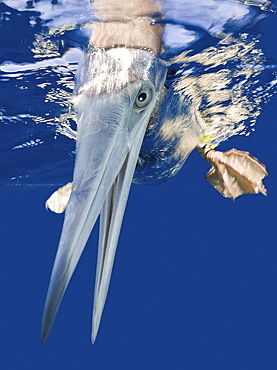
[(194, 284)]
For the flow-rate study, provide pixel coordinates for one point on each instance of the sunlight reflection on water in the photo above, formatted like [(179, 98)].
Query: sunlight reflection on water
[(226, 78)]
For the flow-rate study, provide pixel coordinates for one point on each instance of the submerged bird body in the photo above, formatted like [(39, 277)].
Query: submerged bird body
[(136, 122)]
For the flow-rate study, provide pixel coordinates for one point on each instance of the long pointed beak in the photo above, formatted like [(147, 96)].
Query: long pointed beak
[(108, 146), (110, 224)]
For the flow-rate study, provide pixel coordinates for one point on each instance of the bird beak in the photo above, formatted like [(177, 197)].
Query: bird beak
[(111, 128)]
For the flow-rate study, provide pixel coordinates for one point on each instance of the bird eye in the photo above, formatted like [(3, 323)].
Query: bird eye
[(143, 98)]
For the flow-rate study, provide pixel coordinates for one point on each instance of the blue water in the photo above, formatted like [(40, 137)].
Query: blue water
[(194, 285)]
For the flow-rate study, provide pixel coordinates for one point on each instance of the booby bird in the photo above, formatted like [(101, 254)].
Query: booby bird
[(117, 88), (121, 99)]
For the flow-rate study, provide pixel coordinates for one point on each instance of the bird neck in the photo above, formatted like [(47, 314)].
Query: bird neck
[(130, 24)]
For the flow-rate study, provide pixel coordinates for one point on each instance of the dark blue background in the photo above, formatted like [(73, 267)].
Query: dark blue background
[(194, 284)]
